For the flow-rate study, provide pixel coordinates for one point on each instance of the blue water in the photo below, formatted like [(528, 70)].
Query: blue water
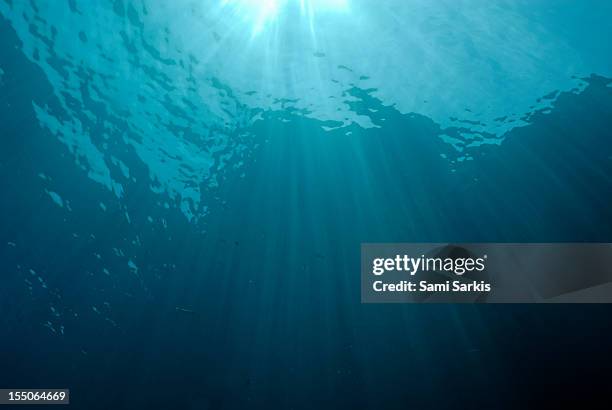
[(185, 188)]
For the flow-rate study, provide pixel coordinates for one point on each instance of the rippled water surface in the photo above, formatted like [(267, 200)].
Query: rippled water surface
[(186, 184)]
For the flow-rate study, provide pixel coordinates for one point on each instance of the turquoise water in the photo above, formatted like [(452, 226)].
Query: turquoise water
[(186, 186)]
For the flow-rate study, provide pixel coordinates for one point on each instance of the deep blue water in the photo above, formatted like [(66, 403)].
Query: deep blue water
[(225, 274)]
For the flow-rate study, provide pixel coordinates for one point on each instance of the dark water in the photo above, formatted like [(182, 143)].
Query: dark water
[(257, 304)]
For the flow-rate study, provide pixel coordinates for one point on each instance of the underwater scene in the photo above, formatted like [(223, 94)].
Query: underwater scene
[(186, 185)]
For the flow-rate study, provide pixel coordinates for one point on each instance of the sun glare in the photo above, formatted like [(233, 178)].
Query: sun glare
[(262, 13)]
